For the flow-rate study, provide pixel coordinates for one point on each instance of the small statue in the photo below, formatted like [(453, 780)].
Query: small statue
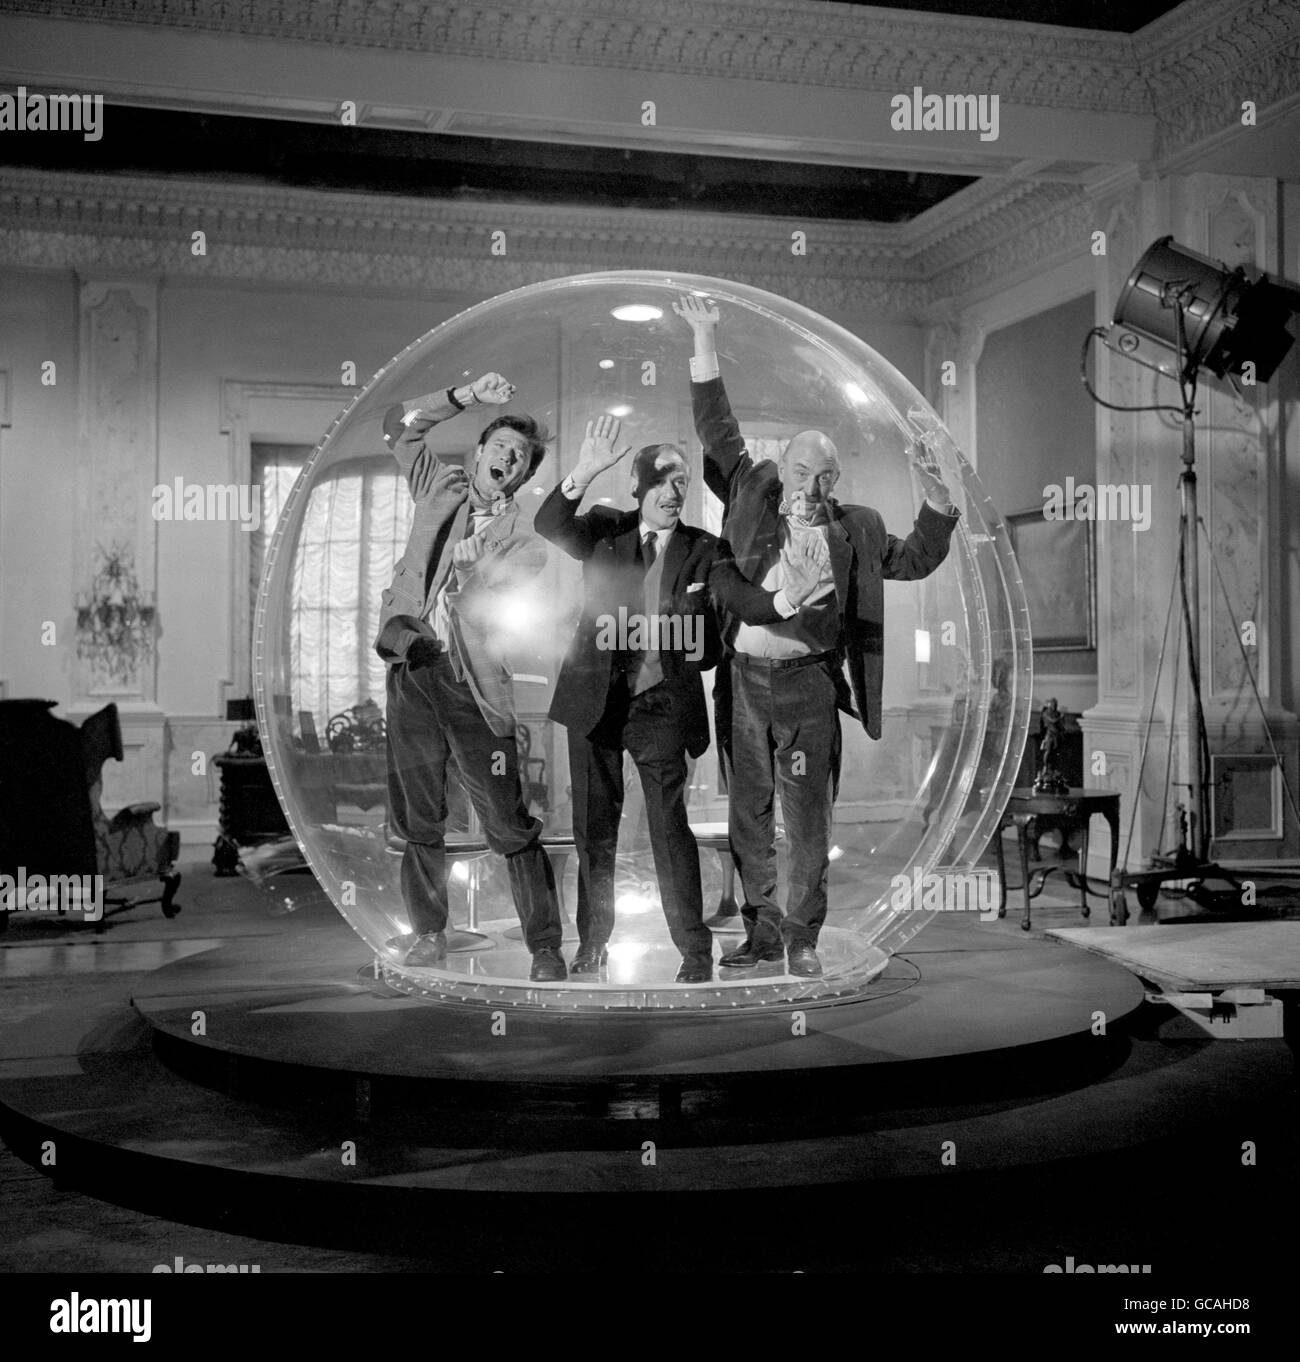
[(1051, 725), (246, 742)]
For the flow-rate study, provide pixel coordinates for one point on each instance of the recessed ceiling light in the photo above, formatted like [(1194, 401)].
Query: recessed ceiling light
[(637, 312)]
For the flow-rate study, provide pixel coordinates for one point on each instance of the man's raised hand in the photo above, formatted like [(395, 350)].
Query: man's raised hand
[(492, 390), (599, 449), (696, 313), (803, 569), (930, 474), (450, 486)]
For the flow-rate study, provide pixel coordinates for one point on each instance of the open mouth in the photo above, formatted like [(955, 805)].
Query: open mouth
[(498, 475)]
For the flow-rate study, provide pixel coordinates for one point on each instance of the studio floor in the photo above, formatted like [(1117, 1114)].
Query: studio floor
[(1138, 1194)]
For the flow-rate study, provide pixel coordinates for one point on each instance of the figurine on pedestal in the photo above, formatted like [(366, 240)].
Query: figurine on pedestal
[(1051, 727)]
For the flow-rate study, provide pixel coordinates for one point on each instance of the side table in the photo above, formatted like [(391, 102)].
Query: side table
[(1034, 814), (249, 810)]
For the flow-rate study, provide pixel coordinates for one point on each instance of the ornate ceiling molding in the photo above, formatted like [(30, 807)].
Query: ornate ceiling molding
[(56, 220), (1188, 69), (1032, 234), (791, 41), (1203, 59), (168, 210)]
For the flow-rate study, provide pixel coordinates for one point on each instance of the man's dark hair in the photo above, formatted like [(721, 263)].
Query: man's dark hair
[(643, 466), (537, 436)]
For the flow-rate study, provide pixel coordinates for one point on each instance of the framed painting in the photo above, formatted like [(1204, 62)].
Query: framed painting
[(1056, 563)]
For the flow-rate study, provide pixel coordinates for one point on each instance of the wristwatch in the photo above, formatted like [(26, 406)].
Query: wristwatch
[(568, 487)]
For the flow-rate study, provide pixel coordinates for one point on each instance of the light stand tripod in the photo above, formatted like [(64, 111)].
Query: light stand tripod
[(1184, 294)]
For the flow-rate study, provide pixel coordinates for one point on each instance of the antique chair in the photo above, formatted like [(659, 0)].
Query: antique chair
[(130, 848), (51, 819)]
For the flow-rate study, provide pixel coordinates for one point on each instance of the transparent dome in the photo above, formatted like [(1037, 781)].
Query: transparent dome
[(915, 808)]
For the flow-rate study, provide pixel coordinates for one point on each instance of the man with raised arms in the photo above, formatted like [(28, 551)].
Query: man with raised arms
[(777, 697)]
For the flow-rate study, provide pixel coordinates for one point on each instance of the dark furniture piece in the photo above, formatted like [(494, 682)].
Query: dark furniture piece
[(249, 810), (52, 822), (1069, 757), (1034, 814)]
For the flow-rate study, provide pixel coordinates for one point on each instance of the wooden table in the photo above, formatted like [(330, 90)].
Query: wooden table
[(1034, 814), (249, 811)]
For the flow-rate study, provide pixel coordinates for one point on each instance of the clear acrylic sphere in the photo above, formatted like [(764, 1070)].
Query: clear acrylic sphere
[(923, 801)]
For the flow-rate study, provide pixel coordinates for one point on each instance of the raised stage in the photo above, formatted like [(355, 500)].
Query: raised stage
[(272, 1086)]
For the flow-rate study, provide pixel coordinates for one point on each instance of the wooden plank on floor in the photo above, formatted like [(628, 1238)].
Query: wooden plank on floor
[(1202, 955)]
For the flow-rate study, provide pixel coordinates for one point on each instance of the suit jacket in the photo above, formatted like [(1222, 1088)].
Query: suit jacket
[(698, 572), (862, 551), (513, 557)]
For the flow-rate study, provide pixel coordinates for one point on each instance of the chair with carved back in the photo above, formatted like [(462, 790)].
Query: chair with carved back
[(130, 848), (52, 823)]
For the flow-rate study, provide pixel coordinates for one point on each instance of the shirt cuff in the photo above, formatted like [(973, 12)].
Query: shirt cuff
[(703, 368), (571, 489), (781, 604), (948, 510)]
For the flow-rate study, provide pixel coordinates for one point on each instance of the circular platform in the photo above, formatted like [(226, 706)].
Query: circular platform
[(312, 1008), (640, 976), (273, 1087)]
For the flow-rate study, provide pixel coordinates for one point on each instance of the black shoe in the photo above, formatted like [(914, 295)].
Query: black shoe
[(589, 960), (548, 966), (803, 960), (694, 971), (751, 954), (428, 952)]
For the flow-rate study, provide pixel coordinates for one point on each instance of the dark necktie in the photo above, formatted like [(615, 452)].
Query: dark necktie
[(649, 670)]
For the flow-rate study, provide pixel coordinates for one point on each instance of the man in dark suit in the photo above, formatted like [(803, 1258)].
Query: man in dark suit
[(778, 700), (449, 683), (631, 680)]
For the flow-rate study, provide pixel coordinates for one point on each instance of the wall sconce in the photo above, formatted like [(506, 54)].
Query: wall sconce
[(116, 620)]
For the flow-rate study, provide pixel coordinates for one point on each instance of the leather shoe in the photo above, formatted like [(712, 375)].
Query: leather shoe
[(589, 960), (803, 960), (694, 971), (751, 954), (428, 952), (548, 966)]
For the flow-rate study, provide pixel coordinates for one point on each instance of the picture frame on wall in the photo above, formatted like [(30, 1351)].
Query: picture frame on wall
[(1056, 565)]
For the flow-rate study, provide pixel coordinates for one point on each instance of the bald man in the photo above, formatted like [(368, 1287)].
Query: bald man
[(777, 703)]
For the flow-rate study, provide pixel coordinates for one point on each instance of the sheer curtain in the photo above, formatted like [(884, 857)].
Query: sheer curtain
[(353, 532)]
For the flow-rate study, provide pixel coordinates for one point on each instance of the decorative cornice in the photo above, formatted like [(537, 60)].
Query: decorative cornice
[(1190, 68), (1027, 236), (170, 209), (137, 224), (1201, 60), (789, 41)]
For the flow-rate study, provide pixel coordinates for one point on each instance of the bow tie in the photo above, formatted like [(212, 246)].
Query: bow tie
[(480, 505), (819, 516)]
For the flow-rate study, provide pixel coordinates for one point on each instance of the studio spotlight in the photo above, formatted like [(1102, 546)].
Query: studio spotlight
[(1231, 325), (1211, 317)]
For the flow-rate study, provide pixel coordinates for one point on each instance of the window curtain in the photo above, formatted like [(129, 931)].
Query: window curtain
[(353, 531)]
